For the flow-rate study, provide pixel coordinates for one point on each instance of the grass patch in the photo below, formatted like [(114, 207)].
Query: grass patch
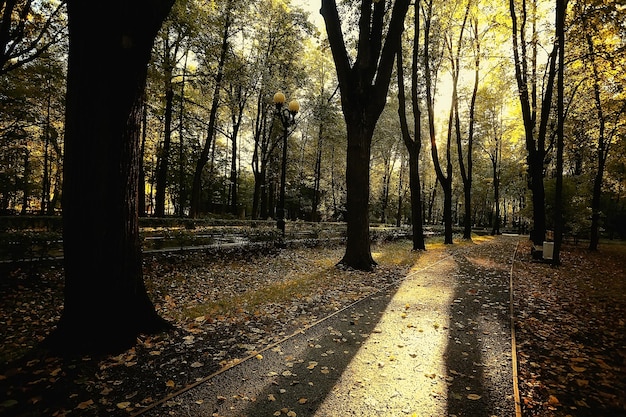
[(297, 283)]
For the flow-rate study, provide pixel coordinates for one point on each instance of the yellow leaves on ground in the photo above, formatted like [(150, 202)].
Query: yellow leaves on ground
[(123, 405)]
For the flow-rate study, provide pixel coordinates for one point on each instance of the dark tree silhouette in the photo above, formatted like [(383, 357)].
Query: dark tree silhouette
[(106, 303)]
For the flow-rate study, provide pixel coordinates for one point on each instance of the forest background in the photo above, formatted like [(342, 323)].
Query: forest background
[(212, 142)]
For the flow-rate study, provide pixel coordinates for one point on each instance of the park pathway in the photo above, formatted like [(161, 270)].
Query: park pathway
[(437, 343)]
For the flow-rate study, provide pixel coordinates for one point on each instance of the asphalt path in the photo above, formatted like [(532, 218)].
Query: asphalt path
[(436, 343)]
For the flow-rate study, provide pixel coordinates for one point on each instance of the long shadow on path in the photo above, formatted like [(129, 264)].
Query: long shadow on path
[(292, 377), (478, 356), (436, 344)]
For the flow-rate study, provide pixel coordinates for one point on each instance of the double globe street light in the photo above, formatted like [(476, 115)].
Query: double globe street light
[(287, 117)]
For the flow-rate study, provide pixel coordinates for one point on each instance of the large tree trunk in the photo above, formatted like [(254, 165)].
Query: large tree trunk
[(364, 84), (106, 303), (358, 253)]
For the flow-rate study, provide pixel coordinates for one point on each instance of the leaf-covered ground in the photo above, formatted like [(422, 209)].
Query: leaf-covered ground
[(570, 327), (571, 333), (224, 306)]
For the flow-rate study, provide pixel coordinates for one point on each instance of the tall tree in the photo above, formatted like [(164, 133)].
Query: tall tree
[(173, 50), (228, 17), (466, 162), (526, 75), (363, 83), (561, 7), (278, 41), (431, 57), (602, 63), (106, 303)]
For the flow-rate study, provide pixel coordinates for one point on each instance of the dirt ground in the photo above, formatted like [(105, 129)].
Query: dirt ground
[(569, 321)]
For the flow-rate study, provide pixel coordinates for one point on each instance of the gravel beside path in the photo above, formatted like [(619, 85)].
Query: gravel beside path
[(436, 343)]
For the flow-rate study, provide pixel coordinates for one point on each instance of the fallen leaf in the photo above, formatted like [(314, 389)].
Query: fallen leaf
[(271, 397), (170, 384), (303, 400), (552, 400), (123, 405), (473, 397)]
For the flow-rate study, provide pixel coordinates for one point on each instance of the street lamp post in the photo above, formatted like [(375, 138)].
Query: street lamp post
[(287, 117)]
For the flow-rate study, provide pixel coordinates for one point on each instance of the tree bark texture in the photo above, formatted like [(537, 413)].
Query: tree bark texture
[(106, 303)]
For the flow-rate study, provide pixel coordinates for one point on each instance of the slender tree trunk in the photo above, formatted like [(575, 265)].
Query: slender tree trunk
[(181, 143), (45, 195), (400, 199), (413, 145), (236, 120), (317, 174), (558, 203), (385, 197), (445, 179), (256, 198), (164, 156), (333, 185), (467, 170), (495, 230), (603, 149), (106, 305), (26, 181), (196, 190), (142, 151)]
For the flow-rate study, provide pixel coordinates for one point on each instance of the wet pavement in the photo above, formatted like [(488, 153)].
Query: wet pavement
[(437, 343)]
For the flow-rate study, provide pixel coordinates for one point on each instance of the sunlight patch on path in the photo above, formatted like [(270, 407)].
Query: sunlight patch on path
[(401, 368)]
